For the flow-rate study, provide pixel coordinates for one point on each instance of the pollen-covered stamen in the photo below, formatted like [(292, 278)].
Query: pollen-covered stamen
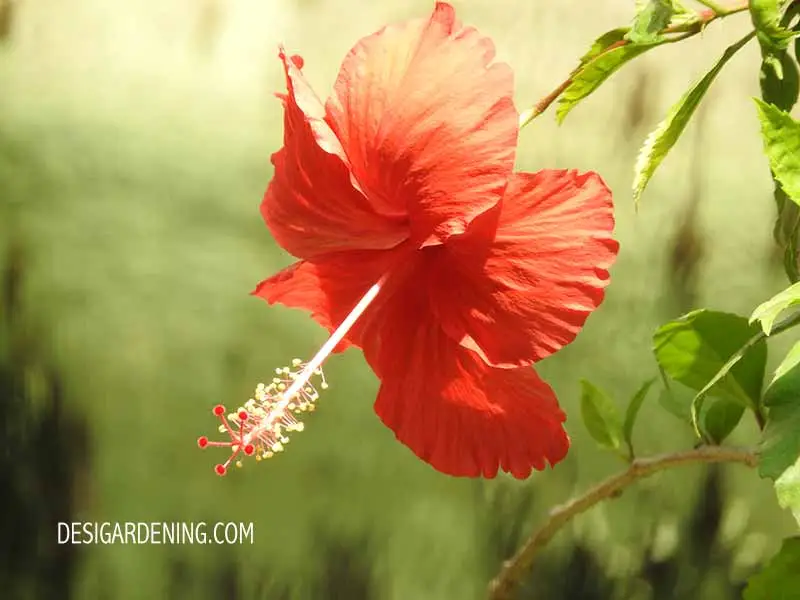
[(260, 427)]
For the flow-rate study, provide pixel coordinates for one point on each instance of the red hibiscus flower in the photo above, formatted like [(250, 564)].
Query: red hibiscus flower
[(404, 177)]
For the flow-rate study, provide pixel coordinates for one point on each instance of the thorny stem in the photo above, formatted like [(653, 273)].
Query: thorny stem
[(686, 30), (502, 586), (314, 364)]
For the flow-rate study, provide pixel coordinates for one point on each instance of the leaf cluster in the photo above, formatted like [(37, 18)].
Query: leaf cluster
[(721, 357), (712, 364)]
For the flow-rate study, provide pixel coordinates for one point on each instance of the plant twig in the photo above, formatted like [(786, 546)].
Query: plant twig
[(688, 30), (720, 10), (503, 585)]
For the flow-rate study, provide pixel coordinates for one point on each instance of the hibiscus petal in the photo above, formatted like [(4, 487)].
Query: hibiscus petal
[(520, 285), (312, 205), (428, 122), (448, 406), (330, 286)]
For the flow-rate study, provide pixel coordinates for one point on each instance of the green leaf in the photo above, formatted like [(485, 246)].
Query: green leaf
[(718, 421), (787, 231), (721, 419), (766, 17), (769, 311), (694, 348), (633, 411), (788, 17), (792, 10), (780, 579), (663, 138), (780, 441), (783, 93), (591, 74), (600, 416), (654, 16), (790, 260), (781, 136), (797, 49), (673, 405), (601, 44), (790, 361), (788, 220), (780, 80), (697, 402), (787, 488)]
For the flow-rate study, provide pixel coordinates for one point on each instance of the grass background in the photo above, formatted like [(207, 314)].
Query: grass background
[(134, 150)]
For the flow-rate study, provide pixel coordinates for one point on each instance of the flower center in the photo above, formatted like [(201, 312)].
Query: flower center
[(259, 427)]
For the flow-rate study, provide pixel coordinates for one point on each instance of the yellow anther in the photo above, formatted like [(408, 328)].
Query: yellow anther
[(271, 412), (238, 464)]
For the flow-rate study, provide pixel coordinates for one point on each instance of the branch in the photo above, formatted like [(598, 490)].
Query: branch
[(503, 585), (713, 6), (687, 30)]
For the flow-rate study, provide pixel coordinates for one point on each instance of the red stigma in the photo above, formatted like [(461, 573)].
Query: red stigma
[(260, 427)]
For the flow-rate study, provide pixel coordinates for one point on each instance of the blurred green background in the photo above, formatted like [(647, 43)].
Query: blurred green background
[(134, 149)]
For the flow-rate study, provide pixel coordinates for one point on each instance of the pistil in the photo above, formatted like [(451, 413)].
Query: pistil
[(259, 427)]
